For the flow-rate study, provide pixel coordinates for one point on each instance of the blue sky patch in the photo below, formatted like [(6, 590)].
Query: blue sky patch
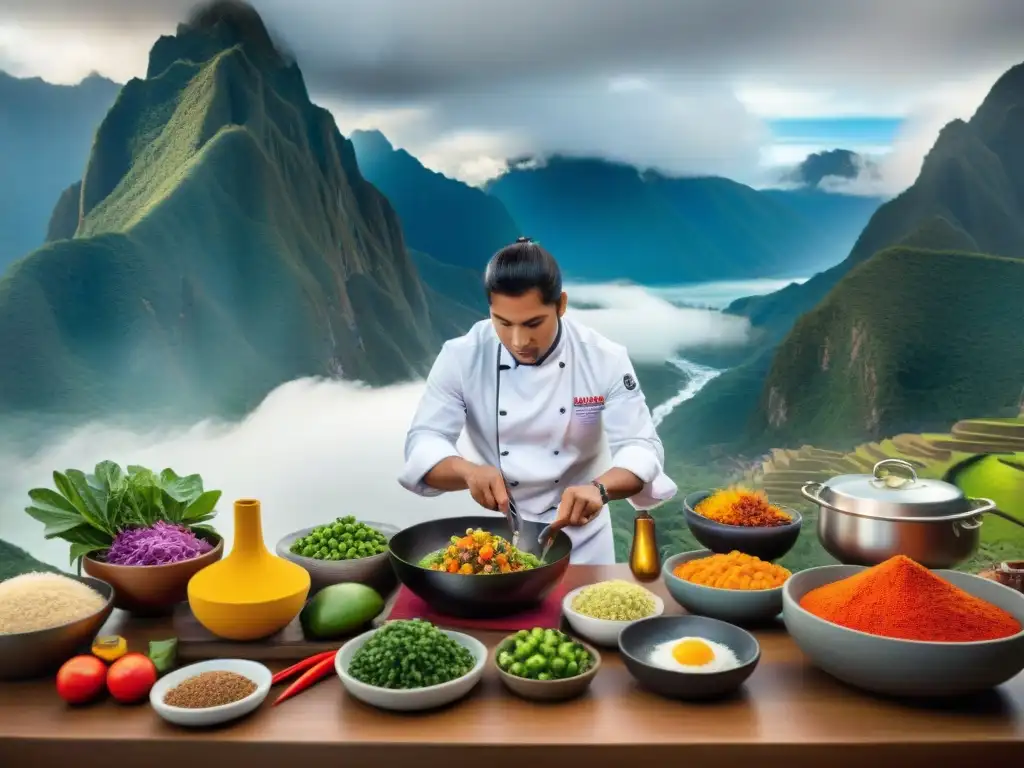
[(839, 132)]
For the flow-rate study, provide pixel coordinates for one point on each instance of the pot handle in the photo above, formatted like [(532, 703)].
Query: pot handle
[(1001, 514), (983, 505), (904, 465), (810, 492)]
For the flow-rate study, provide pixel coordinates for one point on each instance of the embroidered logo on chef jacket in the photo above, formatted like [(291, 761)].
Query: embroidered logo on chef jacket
[(629, 382), (587, 410)]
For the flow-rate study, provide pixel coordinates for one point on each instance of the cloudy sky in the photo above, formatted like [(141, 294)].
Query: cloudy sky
[(734, 87)]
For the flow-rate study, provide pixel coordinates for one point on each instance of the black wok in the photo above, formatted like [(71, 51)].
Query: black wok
[(499, 594)]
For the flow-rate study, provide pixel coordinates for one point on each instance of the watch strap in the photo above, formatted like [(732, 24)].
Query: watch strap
[(604, 492)]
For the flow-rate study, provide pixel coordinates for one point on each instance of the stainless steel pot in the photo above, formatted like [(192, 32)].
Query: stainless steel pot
[(866, 519)]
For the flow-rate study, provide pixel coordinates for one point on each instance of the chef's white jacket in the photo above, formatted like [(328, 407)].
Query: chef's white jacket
[(544, 425)]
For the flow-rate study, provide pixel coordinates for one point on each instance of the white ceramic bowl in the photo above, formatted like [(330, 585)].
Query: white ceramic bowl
[(602, 632), (417, 698), (194, 718)]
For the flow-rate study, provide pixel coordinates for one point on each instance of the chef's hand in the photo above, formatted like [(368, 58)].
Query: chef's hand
[(579, 505), (487, 487)]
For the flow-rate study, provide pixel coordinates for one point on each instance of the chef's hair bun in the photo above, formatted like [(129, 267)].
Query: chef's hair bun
[(521, 267)]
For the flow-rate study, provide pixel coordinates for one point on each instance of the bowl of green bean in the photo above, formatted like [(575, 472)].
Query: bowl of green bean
[(344, 550), (410, 665), (546, 664)]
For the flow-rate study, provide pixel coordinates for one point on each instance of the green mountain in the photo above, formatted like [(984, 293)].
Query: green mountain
[(46, 132), (456, 294), (454, 222), (605, 221), (746, 233), (879, 337), (227, 243), (910, 340), (15, 561), (66, 215)]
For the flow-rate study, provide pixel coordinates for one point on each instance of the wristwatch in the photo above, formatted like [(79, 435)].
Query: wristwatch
[(601, 488)]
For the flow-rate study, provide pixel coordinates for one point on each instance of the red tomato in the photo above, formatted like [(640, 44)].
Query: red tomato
[(130, 678), (81, 679)]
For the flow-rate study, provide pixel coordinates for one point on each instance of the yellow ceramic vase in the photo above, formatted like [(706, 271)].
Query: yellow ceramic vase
[(250, 594)]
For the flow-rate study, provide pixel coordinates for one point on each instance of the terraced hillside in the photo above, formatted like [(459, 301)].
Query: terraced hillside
[(782, 473), (982, 436)]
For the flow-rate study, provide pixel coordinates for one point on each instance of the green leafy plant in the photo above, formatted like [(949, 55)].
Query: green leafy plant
[(88, 511)]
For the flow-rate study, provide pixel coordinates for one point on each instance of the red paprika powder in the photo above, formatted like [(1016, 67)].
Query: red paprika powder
[(902, 599)]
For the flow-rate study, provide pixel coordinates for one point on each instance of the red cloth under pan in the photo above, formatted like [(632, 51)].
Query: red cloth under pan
[(547, 614)]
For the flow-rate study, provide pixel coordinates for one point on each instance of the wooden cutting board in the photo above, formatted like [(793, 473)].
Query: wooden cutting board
[(196, 643)]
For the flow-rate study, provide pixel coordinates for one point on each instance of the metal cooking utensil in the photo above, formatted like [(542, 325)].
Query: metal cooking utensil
[(546, 539), (513, 516)]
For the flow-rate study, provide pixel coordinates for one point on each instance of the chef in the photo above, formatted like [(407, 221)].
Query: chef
[(538, 396)]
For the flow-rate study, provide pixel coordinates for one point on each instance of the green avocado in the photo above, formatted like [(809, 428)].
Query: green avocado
[(339, 610)]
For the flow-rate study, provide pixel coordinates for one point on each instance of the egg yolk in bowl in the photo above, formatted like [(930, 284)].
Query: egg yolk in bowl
[(693, 654)]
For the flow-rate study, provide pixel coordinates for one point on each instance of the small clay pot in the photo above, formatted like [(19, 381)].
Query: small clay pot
[(1011, 574), (151, 590)]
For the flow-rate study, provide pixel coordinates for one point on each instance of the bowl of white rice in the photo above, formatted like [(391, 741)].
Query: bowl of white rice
[(46, 618)]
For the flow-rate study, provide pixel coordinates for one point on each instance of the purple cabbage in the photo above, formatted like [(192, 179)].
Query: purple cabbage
[(161, 544)]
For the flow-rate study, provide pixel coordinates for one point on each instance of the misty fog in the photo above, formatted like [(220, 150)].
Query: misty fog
[(316, 449)]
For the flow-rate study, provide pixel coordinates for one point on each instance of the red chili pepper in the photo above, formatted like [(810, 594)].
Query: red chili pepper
[(309, 678), (303, 665)]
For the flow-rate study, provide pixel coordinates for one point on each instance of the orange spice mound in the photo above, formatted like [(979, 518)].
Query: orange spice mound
[(902, 599), (735, 570), (736, 506)]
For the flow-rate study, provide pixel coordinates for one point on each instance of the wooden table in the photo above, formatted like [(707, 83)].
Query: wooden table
[(789, 715)]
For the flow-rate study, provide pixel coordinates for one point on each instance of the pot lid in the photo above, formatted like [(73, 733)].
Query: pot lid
[(893, 489)]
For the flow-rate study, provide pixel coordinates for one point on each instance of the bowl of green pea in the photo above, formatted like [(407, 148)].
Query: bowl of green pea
[(545, 664), (345, 550)]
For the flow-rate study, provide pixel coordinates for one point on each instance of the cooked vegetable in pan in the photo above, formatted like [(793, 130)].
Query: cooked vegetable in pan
[(479, 553)]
